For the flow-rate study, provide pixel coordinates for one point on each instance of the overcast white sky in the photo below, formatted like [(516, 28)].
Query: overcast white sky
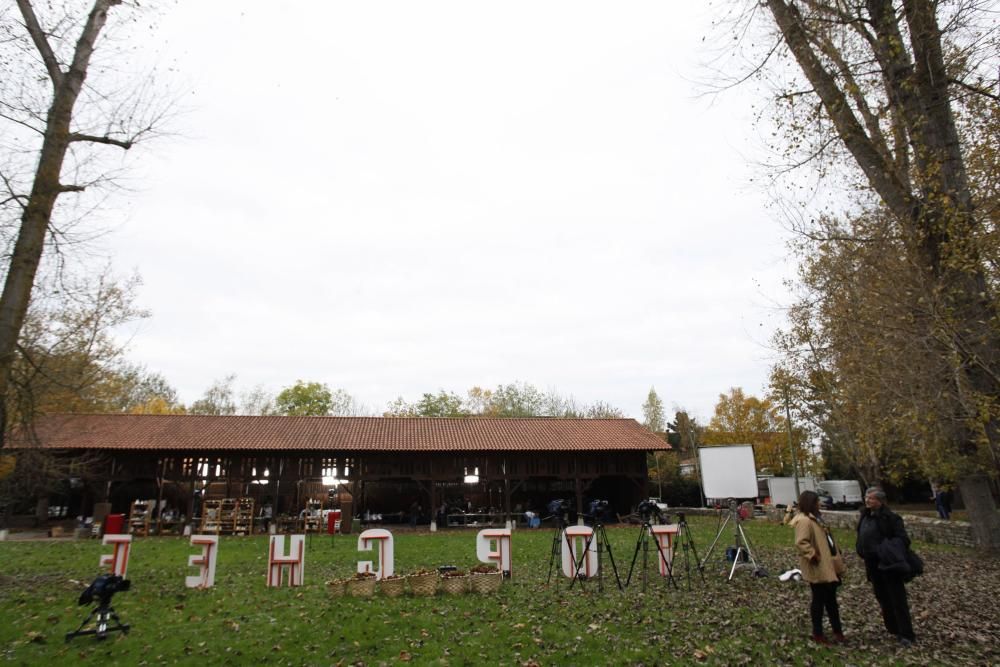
[(397, 197)]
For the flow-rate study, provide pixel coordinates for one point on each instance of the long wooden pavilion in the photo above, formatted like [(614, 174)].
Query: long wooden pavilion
[(387, 465)]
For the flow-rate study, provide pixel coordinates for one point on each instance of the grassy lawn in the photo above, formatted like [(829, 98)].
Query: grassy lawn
[(747, 621)]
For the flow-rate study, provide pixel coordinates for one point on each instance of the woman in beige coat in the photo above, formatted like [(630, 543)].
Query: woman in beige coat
[(821, 565)]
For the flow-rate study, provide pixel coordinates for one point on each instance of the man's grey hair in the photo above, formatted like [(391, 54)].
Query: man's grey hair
[(877, 492)]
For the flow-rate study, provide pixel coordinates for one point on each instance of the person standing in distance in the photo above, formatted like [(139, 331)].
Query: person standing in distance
[(819, 566), (876, 525)]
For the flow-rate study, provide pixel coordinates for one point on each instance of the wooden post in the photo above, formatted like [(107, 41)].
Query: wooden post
[(190, 507), (277, 488), (433, 508), (159, 496), (506, 493), (579, 488), (111, 478)]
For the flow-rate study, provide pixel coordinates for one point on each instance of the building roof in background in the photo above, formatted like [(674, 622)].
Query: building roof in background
[(389, 434)]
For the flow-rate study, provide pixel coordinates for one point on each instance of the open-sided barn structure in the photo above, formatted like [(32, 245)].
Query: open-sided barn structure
[(388, 466)]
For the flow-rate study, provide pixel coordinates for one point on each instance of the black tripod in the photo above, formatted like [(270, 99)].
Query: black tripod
[(688, 549), (642, 543), (602, 546), (557, 539), (107, 621)]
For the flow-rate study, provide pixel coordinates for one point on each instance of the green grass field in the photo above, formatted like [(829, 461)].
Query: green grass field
[(747, 621)]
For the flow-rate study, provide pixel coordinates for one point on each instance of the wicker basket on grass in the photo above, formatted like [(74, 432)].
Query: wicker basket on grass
[(423, 583), (455, 583), (337, 587), (362, 585), (393, 586), (486, 582)]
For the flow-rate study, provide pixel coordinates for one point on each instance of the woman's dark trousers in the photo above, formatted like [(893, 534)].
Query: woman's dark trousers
[(824, 597)]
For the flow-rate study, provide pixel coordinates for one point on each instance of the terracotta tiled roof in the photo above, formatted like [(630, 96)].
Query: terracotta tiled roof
[(197, 432)]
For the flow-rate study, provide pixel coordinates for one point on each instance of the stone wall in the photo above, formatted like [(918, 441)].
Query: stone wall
[(933, 531)]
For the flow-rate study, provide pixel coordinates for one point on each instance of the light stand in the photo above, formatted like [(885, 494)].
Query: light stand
[(739, 538)]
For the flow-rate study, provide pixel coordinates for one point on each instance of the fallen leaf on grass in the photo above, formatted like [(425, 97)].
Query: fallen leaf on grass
[(405, 656)]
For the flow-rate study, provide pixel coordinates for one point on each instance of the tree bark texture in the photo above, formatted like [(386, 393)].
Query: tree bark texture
[(936, 209), (978, 499)]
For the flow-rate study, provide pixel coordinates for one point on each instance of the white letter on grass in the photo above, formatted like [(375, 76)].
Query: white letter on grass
[(385, 552)]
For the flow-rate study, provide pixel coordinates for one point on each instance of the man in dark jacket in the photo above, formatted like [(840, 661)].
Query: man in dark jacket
[(880, 533)]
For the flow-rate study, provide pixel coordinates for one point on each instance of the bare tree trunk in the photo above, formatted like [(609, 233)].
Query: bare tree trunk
[(978, 499), (46, 187)]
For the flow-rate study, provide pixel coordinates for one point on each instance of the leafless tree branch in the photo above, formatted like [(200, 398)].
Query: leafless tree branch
[(41, 42), (111, 141)]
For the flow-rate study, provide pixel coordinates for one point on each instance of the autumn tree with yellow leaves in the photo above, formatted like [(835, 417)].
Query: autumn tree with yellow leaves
[(740, 419), (891, 104)]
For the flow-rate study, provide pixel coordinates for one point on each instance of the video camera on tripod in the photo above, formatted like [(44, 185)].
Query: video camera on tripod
[(103, 589), (559, 508), (647, 510), (596, 509)]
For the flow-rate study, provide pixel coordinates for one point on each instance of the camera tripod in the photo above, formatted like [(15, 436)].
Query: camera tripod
[(602, 545), (687, 549), (557, 539), (642, 544), (740, 538), (107, 621)]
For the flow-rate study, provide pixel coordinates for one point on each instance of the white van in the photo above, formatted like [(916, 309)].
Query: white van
[(844, 492)]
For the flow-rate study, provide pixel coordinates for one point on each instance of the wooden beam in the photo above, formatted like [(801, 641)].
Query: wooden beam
[(160, 481)]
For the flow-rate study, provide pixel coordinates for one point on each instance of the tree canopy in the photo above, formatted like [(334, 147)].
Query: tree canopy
[(895, 101), (748, 420), (517, 399), (653, 417), (305, 398)]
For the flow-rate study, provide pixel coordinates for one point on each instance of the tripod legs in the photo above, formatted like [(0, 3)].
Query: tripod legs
[(645, 534), (742, 545), (602, 545), (740, 538), (556, 547), (711, 547), (639, 543), (688, 548), (107, 621), (556, 555)]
